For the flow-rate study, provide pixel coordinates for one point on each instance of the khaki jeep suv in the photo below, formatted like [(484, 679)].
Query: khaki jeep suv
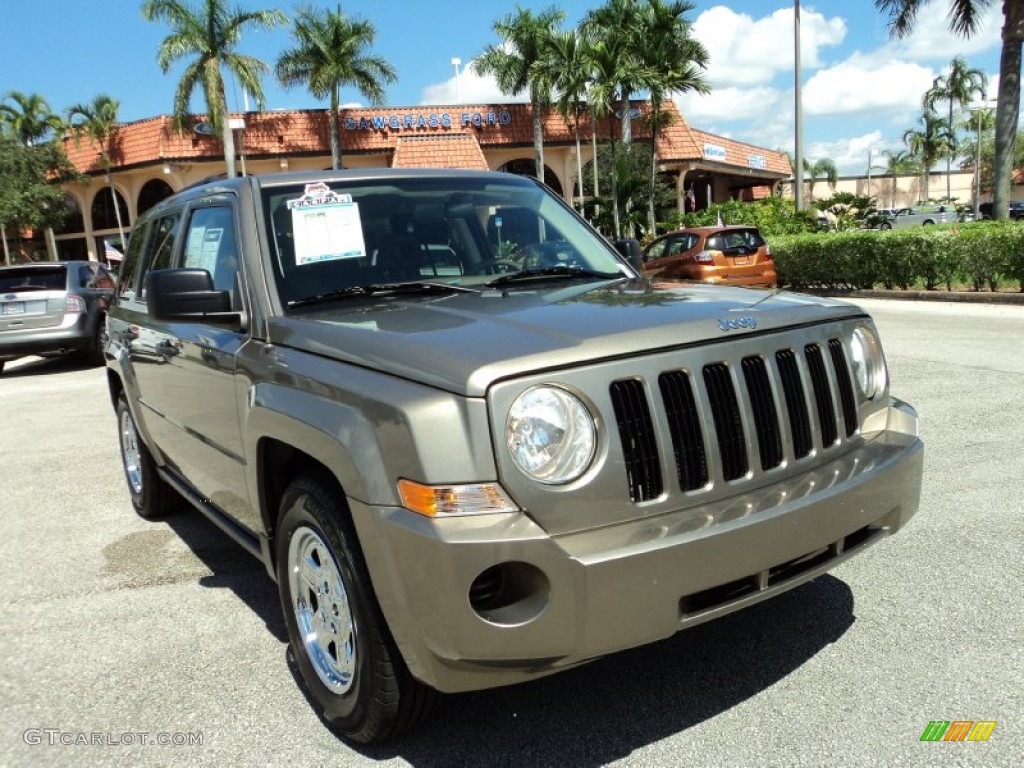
[(471, 443)]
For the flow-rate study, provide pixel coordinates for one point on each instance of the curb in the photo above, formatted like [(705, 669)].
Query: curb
[(963, 297)]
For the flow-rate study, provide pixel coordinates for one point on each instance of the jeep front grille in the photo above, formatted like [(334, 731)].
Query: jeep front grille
[(704, 416), (643, 467), (684, 423)]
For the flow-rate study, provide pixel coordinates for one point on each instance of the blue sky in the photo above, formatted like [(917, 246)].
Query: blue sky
[(861, 90)]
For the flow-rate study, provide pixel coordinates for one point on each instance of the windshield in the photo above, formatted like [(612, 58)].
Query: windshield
[(328, 238)]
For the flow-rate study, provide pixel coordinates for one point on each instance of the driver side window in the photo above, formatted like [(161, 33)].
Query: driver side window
[(210, 244)]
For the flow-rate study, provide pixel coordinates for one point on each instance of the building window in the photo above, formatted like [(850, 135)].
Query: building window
[(153, 191), (526, 167), (73, 223), (103, 215)]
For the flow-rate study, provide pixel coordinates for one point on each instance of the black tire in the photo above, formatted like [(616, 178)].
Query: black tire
[(349, 663), (885, 225), (151, 496)]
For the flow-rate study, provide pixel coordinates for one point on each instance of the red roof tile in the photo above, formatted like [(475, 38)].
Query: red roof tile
[(457, 150), (369, 130), (744, 155)]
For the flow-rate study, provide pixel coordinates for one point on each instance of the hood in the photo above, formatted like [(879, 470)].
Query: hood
[(464, 342)]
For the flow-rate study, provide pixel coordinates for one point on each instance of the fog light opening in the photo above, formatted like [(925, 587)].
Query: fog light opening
[(509, 593)]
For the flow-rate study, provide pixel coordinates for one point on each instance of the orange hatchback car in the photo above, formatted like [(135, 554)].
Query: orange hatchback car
[(734, 255)]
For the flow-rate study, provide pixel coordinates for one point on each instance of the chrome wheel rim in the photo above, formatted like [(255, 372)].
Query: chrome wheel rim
[(130, 452), (323, 613)]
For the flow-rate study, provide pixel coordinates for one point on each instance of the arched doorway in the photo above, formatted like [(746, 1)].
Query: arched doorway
[(152, 192), (73, 222), (69, 238), (525, 167), (103, 215)]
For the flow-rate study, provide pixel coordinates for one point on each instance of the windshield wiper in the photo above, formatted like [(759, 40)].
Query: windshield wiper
[(375, 288), (561, 271)]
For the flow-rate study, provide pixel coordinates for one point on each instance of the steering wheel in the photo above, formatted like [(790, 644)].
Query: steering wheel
[(494, 267)]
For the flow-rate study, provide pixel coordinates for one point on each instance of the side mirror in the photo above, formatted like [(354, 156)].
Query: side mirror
[(630, 250), (189, 295)]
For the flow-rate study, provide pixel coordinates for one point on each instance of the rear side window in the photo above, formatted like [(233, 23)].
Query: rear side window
[(33, 279), (130, 267)]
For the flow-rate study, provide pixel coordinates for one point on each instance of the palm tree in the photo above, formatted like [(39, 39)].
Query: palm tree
[(211, 34), (98, 121), (28, 117), (824, 168), (514, 64), (607, 61), (617, 23), (964, 19), (896, 164), (927, 144), (957, 87), (331, 53), (673, 61), (565, 62)]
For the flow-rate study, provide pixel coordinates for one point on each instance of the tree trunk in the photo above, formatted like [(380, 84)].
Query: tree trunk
[(579, 162), (652, 224), (627, 121), (1008, 105), (538, 140), (227, 135), (949, 153), (117, 211), (335, 134), (616, 225)]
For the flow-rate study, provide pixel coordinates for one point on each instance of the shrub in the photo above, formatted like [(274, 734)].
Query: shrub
[(980, 254)]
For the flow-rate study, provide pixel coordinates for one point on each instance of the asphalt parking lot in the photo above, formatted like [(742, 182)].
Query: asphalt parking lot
[(146, 632)]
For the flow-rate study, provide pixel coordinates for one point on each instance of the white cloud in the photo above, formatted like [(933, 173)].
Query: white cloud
[(851, 155), (861, 85), (931, 39), (726, 104), (745, 51), (471, 88)]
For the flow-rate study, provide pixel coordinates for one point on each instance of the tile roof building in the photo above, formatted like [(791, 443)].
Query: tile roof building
[(151, 159)]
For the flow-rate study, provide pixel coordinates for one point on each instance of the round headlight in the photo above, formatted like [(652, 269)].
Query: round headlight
[(868, 363), (550, 435)]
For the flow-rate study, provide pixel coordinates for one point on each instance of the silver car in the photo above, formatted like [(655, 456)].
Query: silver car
[(54, 308), (922, 216)]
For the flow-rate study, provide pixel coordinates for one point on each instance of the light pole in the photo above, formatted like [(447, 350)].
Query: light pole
[(798, 191), (979, 110), (457, 62)]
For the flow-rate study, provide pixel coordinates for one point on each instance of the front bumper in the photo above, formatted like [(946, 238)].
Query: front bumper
[(587, 594)]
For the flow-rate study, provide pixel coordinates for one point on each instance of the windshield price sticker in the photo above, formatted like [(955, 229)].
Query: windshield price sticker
[(326, 226)]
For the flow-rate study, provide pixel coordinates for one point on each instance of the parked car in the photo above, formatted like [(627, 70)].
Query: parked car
[(1016, 210), (469, 464), (924, 215), (54, 308), (732, 255)]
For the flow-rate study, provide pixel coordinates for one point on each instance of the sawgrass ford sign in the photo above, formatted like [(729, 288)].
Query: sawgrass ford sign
[(413, 121)]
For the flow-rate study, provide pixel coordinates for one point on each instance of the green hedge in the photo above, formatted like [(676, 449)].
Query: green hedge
[(980, 255)]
